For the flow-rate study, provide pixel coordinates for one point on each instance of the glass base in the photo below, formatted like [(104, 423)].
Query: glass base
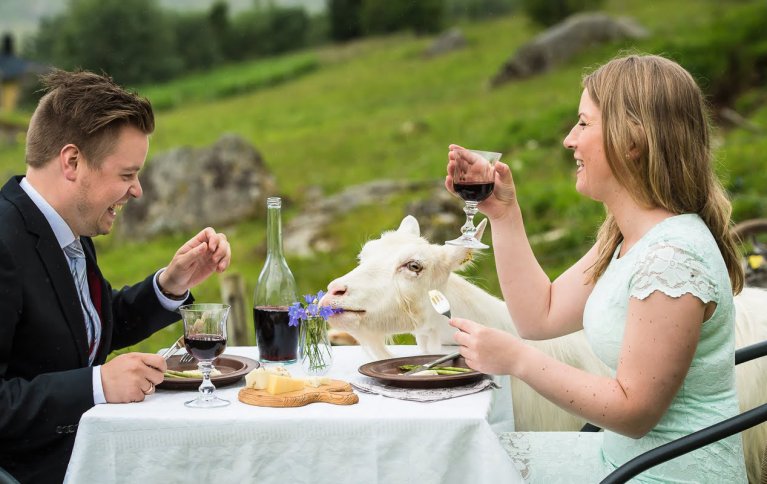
[(469, 242), (210, 403)]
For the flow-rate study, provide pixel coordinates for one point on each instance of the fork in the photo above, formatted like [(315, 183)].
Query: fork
[(429, 365), (186, 358), (440, 302), (174, 348)]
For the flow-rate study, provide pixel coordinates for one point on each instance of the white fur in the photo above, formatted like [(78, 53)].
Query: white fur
[(384, 296)]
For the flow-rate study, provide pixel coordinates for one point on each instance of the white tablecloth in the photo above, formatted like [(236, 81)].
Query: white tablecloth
[(379, 439)]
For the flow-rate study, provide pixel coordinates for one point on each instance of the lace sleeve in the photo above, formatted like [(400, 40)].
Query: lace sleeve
[(674, 270)]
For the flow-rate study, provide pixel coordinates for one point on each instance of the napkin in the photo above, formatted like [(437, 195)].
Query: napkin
[(369, 385)]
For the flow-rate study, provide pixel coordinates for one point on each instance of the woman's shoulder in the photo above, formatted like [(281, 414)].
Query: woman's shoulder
[(686, 232), (679, 255)]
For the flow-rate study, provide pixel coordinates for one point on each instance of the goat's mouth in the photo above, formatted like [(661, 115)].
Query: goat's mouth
[(347, 320), (348, 311)]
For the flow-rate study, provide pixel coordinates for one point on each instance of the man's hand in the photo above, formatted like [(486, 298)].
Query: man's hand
[(131, 377), (195, 261)]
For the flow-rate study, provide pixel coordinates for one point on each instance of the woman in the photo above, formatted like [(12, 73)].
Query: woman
[(654, 294)]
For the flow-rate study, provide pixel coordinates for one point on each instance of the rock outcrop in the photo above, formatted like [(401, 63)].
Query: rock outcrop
[(187, 189), (563, 41)]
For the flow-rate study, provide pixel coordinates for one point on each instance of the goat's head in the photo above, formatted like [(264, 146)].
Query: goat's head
[(387, 293)]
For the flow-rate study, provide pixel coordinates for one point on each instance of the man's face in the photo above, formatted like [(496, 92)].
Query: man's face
[(102, 192)]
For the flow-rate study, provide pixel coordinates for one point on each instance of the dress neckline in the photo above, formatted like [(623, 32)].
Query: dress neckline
[(616, 254)]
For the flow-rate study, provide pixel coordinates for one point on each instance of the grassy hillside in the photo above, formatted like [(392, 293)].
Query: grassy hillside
[(341, 123)]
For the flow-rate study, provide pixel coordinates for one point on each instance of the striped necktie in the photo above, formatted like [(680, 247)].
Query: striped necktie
[(76, 257)]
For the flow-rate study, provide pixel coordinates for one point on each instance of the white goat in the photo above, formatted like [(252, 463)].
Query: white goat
[(387, 294)]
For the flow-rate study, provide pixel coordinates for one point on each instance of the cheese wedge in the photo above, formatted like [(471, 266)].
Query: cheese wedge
[(316, 381), (258, 378), (277, 384)]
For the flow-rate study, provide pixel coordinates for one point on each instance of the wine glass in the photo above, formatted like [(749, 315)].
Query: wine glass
[(205, 339), (473, 180)]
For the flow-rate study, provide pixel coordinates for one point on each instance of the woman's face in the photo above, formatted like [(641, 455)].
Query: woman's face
[(594, 178)]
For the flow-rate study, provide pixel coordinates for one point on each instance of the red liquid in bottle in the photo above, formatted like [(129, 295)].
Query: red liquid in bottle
[(277, 340)]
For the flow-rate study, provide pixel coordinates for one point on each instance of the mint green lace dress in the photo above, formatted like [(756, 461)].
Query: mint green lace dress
[(677, 256)]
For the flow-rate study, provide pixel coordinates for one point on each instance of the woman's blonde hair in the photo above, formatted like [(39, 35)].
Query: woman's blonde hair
[(656, 135)]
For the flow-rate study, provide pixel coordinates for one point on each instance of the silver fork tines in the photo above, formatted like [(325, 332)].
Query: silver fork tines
[(186, 358), (439, 302)]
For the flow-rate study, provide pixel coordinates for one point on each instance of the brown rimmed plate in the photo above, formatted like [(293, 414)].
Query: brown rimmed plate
[(388, 372), (232, 369)]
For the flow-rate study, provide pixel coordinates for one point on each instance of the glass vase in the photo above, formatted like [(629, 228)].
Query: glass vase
[(314, 348)]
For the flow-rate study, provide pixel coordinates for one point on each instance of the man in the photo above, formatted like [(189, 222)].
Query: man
[(59, 318)]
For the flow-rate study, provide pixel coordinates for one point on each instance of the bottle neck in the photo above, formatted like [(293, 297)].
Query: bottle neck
[(273, 232)]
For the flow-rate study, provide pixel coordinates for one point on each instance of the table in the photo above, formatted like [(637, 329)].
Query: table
[(377, 440)]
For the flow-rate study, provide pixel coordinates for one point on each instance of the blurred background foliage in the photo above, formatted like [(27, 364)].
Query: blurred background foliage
[(326, 94)]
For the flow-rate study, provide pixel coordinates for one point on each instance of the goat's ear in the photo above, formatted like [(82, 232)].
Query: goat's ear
[(409, 225), (480, 229), (460, 257)]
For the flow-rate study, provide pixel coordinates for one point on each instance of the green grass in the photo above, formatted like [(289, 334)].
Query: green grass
[(338, 116), (229, 81)]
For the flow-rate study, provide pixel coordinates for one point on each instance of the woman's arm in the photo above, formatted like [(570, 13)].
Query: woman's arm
[(659, 342), (539, 308)]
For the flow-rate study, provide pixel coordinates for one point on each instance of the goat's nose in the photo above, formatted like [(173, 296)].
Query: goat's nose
[(337, 288)]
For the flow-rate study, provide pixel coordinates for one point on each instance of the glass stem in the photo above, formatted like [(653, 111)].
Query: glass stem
[(468, 230), (206, 387)]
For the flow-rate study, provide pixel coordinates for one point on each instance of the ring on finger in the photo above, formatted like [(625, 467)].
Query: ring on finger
[(149, 390)]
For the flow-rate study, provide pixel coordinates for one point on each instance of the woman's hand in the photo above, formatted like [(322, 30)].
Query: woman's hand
[(497, 205), (487, 350)]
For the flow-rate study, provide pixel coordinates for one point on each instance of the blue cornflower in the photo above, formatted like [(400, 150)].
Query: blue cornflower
[(310, 309)]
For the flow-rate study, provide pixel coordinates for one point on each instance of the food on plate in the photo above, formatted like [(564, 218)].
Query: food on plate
[(258, 378), (189, 373), (277, 384), (425, 373), (440, 370)]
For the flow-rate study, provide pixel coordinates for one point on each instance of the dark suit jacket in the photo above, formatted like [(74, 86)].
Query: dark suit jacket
[(45, 380)]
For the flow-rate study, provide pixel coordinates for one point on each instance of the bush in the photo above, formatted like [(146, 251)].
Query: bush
[(728, 57), (345, 19), (260, 33), (197, 43), (137, 48), (550, 12)]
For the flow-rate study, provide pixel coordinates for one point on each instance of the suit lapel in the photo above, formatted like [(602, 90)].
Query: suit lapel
[(55, 263)]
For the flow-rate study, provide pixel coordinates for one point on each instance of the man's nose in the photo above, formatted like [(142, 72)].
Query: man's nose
[(135, 190)]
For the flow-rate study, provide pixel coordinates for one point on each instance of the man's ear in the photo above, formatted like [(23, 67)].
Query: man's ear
[(70, 159)]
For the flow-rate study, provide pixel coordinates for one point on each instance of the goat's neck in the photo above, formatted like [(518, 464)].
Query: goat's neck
[(471, 302)]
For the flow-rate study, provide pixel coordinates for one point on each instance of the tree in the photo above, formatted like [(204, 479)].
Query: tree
[(197, 44), (131, 41), (384, 16), (344, 19)]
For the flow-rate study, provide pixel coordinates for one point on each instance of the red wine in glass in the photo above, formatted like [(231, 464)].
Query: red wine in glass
[(205, 339), (205, 346), (277, 340), (474, 192), (473, 173)]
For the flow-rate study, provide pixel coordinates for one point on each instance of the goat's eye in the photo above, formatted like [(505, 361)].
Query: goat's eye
[(414, 266)]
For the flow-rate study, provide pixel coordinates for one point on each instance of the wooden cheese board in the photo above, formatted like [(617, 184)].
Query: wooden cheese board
[(337, 392)]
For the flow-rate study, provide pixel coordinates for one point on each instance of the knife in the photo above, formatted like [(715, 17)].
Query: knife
[(436, 362)]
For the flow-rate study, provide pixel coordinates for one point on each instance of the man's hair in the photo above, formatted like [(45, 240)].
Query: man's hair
[(84, 109), (656, 132)]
